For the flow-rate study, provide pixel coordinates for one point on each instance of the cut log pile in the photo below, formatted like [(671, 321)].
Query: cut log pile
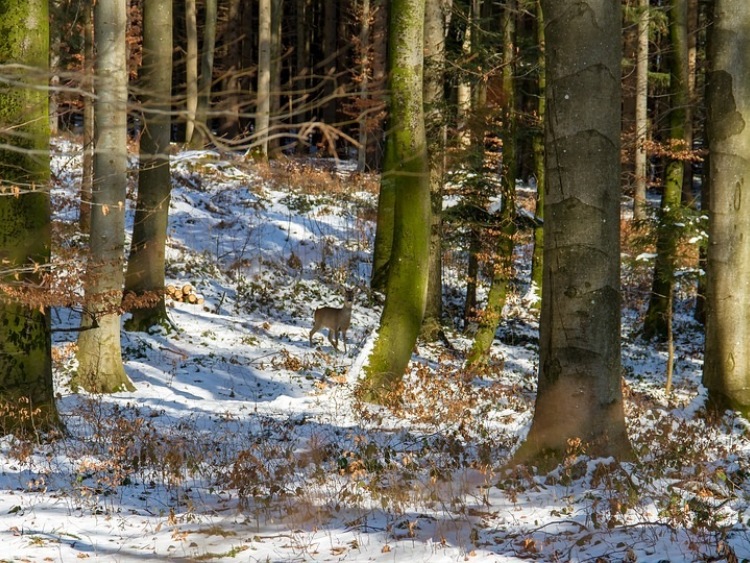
[(184, 294)]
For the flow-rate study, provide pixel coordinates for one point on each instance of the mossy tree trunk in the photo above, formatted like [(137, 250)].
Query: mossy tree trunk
[(726, 370), (537, 257), (436, 14), (579, 394), (406, 173), (144, 278), (27, 405), (490, 316), (100, 367), (668, 231)]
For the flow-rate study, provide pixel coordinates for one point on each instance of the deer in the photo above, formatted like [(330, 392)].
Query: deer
[(335, 319)]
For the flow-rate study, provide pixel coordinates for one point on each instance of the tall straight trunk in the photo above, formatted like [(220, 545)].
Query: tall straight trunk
[(27, 398), (436, 17), (301, 81), (579, 395), (365, 65), (263, 104), (670, 214), (726, 370), (537, 257), (502, 266), (144, 278), (641, 112), (100, 367), (277, 64), (87, 174), (202, 130), (191, 68), (230, 105), (406, 171)]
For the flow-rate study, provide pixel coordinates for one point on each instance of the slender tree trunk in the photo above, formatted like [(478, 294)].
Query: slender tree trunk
[(641, 112), (436, 14), (670, 213), (27, 401), (144, 278), (87, 174), (407, 173), (202, 130), (579, 398), (100, 367), (191, 68), (502, 266), (726, 370), (538, 148), (263, 105)]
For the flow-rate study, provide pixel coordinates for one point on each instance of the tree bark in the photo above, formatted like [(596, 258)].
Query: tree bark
[(641, 112), (26, 390), (263, 104), (502, 266), (579, 398), (202, 130), (406, 172), (726, 370), (100, 367), (436, 14), (537, 257), (191, 68), (670, 212), (144, 278)]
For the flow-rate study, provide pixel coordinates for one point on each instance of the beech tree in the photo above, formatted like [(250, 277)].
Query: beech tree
[(100, 367), (406, 181), (27, 404), (579, 397), (726, 369), (144, 278)]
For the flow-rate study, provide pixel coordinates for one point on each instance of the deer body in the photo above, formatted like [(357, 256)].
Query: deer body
[(335, 319)]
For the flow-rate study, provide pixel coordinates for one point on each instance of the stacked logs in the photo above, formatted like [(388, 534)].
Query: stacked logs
[(184, 294)]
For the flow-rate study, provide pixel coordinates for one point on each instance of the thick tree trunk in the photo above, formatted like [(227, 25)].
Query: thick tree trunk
[(100, 367), (406, 171), (144, 278), (579, 395), (726, 371), (27, 403)]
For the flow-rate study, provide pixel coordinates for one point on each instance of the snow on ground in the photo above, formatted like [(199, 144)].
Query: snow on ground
[(243, 443)]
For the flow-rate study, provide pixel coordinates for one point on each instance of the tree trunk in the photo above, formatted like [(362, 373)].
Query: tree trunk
[(726, 370), (579, 395), (263, 105), (436, 14), (87, 174), (100, 367), (26, 392), (670, 213), (537, 257), (406, 172), (144, 278), (202, 130), (191, 68), (502, 265), (641, 112)]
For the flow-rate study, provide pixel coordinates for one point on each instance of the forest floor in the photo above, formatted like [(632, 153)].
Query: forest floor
[(242, 442)]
